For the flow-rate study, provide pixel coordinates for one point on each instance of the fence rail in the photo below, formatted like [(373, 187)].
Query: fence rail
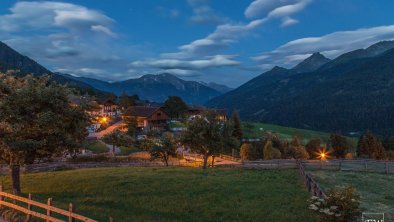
[(362, 165), (309, 182), (28, 209), (227, 157)]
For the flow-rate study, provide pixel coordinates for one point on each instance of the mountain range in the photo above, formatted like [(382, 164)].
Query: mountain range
[(156, 88), (149, 87), (350, 94)]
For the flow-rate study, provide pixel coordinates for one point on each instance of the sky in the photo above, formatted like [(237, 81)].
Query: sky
[(222, 41)]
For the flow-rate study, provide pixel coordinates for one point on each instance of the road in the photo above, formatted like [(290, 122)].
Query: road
[(110, 129)]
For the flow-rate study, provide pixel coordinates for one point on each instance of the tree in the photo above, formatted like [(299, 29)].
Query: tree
[(370, 146), (203, 136), (125, 101), (248, 152), (313, 147), (129, 118), (296, 150), (117, 138), (228, 141), (339, 145), (237, 133), (164, 149), (112, 97), (175, 107), (267, 150), (37, 122)]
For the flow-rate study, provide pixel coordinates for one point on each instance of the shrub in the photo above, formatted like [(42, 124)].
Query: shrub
[(341, 204), (300, 153), (248, 152), (267, 151), (349, 156), (276, 154)]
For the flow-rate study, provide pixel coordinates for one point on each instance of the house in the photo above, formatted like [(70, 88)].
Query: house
[(149, 117), (221, 114), (108, 108)]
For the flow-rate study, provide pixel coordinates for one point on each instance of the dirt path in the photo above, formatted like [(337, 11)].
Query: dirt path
[(110, 129)]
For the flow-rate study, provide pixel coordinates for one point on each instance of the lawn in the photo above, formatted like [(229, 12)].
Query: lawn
[(376, 190), (97, 147), (175, 194)]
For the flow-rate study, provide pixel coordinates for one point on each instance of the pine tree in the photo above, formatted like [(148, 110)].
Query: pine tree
[(370, 146), (339, 145), (237, 133)]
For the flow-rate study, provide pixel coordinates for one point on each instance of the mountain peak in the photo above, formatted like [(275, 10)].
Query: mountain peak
[(312, 63), (379, 47)]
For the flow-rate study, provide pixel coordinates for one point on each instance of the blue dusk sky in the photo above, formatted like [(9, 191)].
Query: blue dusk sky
[(223, 41)]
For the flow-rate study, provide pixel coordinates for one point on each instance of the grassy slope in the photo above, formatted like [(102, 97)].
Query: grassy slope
[(286, 132), (175, 194), (376, 190)]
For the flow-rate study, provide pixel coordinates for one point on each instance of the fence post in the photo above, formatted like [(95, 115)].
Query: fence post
[(340, 165), (387, 167), (49, 203), (71, 209), (28, 216), (365, 166)]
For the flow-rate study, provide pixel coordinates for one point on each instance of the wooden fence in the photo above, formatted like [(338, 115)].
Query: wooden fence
[(360, 165), (230, 158), (309, 182), (271, 164), (26, 206)]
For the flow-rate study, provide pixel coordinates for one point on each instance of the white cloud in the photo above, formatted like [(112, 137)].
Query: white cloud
[(204, 14), (41, 15), (103, 29), (275, 8), (331, 45), (287, 21), (208, 62)]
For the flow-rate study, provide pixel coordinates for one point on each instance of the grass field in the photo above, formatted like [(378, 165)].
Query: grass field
[(175, 194), (376, 190), (255, 130), (97, 147)]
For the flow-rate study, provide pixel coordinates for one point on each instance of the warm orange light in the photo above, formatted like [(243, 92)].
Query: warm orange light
[(104, 119), (322, 154)]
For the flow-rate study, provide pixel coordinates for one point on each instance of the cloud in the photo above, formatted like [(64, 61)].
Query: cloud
[(41, 15), (276, 9), (103, 29), (167, 13), (287, 21), (208, 62), (331, 45), (204, 14)]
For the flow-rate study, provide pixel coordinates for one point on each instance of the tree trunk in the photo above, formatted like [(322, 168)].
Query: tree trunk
[(166, 157), (15, 177), (204, 166), (213, 160), (166, 160), (113, 149)]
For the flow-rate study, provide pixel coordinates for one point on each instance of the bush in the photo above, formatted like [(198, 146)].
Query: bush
[(300, 153), (341, 204), (349, 156), (276, 154), (248, 152)]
